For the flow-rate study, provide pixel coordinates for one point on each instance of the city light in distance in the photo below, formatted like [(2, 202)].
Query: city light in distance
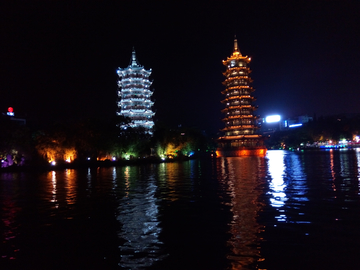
[(295, 125), (272, 118)]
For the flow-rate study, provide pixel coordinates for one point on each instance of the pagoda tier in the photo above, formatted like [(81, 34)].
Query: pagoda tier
[(135, 95), (240, 132)]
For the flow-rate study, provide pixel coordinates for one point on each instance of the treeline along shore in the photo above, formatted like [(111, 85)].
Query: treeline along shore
[(95, 142), (98, 142)]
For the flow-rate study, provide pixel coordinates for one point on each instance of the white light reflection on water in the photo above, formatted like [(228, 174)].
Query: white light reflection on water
[(114, 179), (138, 214), (88, 186), (297, 187), (277, 184), (358, 165), (288, 185)]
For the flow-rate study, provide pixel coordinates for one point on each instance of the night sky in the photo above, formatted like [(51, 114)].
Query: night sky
[(58, 59)]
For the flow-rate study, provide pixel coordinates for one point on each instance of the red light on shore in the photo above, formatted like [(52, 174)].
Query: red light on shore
[(10, 111)]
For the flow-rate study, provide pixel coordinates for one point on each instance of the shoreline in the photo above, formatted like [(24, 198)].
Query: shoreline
[(93, 164)]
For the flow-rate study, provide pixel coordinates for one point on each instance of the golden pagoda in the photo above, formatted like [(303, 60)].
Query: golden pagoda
[(241, 136)]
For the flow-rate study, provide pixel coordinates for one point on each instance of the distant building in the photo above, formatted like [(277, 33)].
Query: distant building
[(10, 115), (134, 95), (297, 121), (268, 127), (241, 136)]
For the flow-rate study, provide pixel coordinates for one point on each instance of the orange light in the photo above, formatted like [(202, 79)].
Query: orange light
[(260, 152)]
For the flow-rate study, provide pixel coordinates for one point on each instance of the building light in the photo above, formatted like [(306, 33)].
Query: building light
[(272, 119), (295, 125), (10, 111)]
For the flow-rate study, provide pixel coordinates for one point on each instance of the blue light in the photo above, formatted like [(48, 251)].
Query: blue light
[(295, 125)]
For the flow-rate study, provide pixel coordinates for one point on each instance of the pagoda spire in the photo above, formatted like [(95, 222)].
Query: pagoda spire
[(236, 47), (134, 62)]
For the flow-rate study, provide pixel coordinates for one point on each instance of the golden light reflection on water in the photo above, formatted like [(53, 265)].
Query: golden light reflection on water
[(62, 187), (171, 176), (127, 180), (332, 169), (54, 189), (242, 176), (70, 185)]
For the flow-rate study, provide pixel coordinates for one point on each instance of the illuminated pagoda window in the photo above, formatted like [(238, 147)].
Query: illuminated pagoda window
[(241, 130), (134, 95)]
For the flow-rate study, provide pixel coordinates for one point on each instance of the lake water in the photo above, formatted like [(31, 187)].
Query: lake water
[(289, 210)]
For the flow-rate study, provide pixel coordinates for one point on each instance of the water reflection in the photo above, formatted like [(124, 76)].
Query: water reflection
[(88, 184), (61, 187), (138, 214), (174, 177), (332, 169), (288, 185), (9, 212), (276, 169), (343, 165), (296, 176), (243, 176), (358, 166), (144, 212), (54, 189), (70, 186)]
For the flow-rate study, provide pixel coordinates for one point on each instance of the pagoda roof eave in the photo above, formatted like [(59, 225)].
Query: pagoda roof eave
[(253, 136), (235, 117), (138, 68), (240, 127), (235, 56), (241, 107)]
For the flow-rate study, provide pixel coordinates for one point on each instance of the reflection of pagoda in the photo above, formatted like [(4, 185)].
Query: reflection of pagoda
[(135, 95), (241, 138)]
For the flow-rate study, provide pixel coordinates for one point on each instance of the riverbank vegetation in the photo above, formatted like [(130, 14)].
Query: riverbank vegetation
[(96, 140)]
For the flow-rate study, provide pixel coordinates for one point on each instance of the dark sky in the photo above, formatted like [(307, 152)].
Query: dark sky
[(58, 59)]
